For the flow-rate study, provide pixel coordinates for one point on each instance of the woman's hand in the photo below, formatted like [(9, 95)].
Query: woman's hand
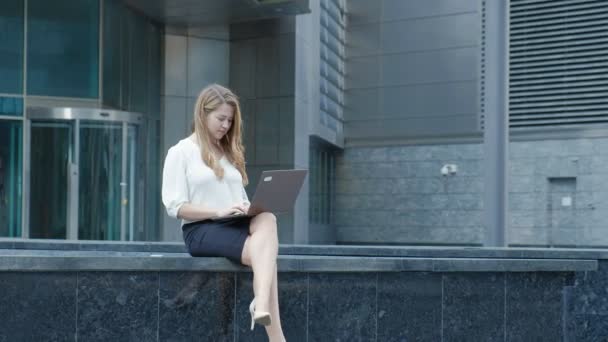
[(234, 210)]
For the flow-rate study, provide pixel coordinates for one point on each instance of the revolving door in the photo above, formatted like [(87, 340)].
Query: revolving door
[(82, 173)]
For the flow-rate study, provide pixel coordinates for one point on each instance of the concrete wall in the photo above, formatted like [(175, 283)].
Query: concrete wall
[(308, 117), (543, 175), (412, 69), (262, 74), (193, 59), (306, 104), (412, 78), (396, 194)]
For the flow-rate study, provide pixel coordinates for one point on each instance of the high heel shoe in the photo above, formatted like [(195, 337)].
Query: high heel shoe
[(259, 317)]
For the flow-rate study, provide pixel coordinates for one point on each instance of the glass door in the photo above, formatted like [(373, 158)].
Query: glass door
[(100, 178), (50, 164), (82, 173), (10, 177)]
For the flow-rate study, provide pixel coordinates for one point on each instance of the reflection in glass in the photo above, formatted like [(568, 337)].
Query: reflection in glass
[(125, 62), (50, 148), (99, 181), (10, 178), (11, 46), (11, 106), (112, 11), (138, 84), (322, 173), (151, 188), (131, 203), (62, 49)]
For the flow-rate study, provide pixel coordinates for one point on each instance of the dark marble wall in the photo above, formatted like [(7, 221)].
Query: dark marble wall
[(586, 312), (391, 306)]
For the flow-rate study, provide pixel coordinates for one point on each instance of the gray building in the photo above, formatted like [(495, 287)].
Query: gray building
[(441, 122)]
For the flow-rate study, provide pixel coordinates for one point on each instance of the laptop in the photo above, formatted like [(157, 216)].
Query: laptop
[(276, 192)]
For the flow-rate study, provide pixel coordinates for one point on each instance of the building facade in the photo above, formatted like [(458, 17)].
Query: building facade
[(385, 102)]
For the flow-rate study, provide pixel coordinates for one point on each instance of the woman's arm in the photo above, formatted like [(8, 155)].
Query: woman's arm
[(246, 203), (174, 184), (194, 212)]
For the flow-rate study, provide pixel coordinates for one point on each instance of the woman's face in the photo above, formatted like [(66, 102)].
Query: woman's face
[(220, 120)]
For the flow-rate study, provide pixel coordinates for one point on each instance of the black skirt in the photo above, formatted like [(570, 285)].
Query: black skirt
[(224, 238)]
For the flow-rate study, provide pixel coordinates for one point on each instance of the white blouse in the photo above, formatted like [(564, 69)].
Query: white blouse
[(187, 179)]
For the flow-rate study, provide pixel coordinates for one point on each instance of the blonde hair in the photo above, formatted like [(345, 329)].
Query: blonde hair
[(209, 100)]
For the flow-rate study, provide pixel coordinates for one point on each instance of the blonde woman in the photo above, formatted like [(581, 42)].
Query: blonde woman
[(204, 178)]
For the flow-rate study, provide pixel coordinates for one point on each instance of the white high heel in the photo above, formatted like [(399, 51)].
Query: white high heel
[(260, 317)]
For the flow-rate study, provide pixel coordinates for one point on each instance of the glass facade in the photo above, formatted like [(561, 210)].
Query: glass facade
[(100, 173), (93, 192), (11, 46), (131, 51), (80, 182), (11, 106), (131, 201), (151, 138), (131, 81), (322, 175), (112, 53), (63, 48), (10, 178), (51, 157), (138, 71)]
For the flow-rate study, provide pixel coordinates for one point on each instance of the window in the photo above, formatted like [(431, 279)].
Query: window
[(63, 48), (11, 106), (11, 46), (322, 175), (10, 178)]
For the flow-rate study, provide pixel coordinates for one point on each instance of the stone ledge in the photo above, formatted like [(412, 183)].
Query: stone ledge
[(81, 245), (447, 252), (318, 250), (42, 261)]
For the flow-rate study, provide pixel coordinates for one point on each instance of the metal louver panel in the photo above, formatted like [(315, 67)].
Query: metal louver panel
[(558, 63), (481, 120), (332, 62)]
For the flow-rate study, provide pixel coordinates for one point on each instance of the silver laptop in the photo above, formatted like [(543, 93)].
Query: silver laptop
[(276, 192)]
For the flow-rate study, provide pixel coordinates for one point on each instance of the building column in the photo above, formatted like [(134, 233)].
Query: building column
[(494, 97)]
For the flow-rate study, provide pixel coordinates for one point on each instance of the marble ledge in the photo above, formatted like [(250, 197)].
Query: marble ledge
[(42, 261), (320, 250)]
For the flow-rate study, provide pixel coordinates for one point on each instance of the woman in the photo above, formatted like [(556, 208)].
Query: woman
[(203, 178)]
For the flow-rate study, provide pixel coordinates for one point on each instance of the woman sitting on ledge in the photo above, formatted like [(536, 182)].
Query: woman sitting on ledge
[(203, 179)]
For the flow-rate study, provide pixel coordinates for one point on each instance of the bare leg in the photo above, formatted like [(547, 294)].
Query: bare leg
[(260, 252), (275, 331)]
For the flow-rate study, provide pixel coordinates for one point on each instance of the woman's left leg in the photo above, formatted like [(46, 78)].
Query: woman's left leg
[(260, 252), (275, 331)]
